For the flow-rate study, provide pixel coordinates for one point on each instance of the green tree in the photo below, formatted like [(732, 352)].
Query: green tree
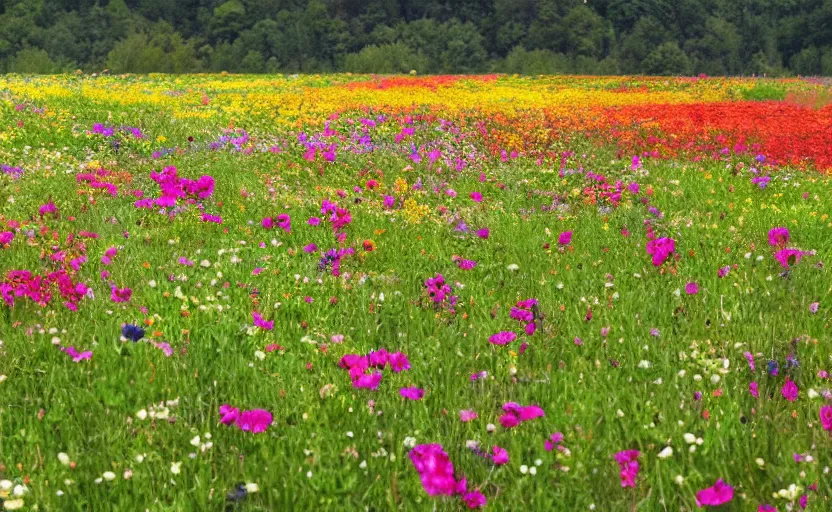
[(388, 58), (667, 59), (464, 51), (33, 61)]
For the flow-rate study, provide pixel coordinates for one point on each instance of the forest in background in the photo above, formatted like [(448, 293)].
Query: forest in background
[(656, 37)]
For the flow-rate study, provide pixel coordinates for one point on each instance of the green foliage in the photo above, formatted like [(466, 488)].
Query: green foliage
[(763, 91), (388, 58), (715, 37), (32, 60)]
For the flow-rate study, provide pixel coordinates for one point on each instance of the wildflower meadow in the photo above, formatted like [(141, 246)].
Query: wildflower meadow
[(350, 292)]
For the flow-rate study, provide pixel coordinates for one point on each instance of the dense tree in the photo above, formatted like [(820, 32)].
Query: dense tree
[(715, 37)]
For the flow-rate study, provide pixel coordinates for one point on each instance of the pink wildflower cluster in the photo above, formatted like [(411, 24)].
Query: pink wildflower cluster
[(661, 249), (174, 188), (515, 414), (628, 464), (255, 421), (436, 472), (94, 181), (40, 289), (523, 312), (282, 221), (439, 291), (339, 218), (359, 367)]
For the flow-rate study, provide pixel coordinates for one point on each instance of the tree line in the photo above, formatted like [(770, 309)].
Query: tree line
[(658, 37)]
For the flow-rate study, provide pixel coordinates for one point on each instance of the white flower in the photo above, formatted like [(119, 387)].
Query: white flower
[(513, 267), (140, 458), (108, 476), (152, 283), (532, 470), (142, 415), (619, 413), (20, 490), (667, 452), (381, 297), (689, 438), (64, 458), (350, 435), (524, 469), (128, 474), (13, 504), (490, 428), (5, 485), (813, 393), (195, 441), (679, 480), (175, 467), (259, 354), (204, 263), (409, 442), (251, 488), (308, 474), (644, 364), (760, 462)]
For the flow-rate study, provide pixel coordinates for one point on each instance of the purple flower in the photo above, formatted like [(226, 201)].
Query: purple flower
[(6, 237), (723, 271), (790, 390), (813, 307), (260, 322), (692, 288), (761, 181), (502, 338), (778, 236), (77, 356), (412, 393), (389, 202), (718, 494), (483, 233)]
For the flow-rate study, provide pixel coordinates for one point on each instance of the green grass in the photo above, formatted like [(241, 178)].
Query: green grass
[(596, 394)]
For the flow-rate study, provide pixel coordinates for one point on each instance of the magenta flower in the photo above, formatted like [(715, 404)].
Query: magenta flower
[(267, 223), (474, 499), (478, 375), (500, 456), (753, 388), (660, 249), (516, 414), (435, 469), (502, 338), (476, 197), (565, 238), (553, 441), (47, 208), (378, 358), (723, 271), (314, 221), (367, 381), (692, 288), (766, 508), (260, 322), (466, 264), (750, 358), (229, 414), (6, 237), (790, 390), (826, 417), (255, 421), (789, 257), (628, 463), (398, 362), (778, 237), (467, 415), (483, 233), (120, 294), (719, 494), (412, 393), (77, 356), (310, 248), (813, 307)]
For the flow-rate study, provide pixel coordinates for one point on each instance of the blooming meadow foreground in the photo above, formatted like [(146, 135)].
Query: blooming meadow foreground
[(351, 292)]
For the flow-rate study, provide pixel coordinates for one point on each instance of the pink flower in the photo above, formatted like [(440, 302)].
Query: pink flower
[(516, 414), (164, 347), (750, 358), (500, 456), (398, 362), (255, 421), (565, 238), (826, 417), (502, 338), (120, 294), (719, 494), (77, 356), (723, 271), (476, 197), (314, 221), (691, 288), (753, 388), (778, 237), (229, 414), (790, 390), (267, 223), (260, 322), (466, 264), (766, 508), (483, 233), (367, 381), (553, 441), (660, 249), (628, 463), (813, 307), (412, 393), (474, 499), (6, 237), (435, 469), (789, 257), (467, 415)]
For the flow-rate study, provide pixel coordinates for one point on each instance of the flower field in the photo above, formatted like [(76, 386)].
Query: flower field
[(224, 292)]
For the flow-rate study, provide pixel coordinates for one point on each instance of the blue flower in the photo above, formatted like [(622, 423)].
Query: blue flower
[(132, 332)]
